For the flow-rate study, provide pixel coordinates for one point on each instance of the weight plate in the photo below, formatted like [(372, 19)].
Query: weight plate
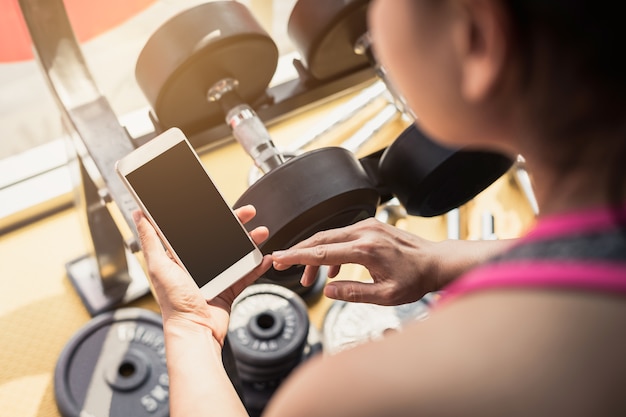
[(430, 179), (318, 190), (269, 334), (350, 324), (325, 32), (194, 50), (268, 331), (114, 366), (256, 394)]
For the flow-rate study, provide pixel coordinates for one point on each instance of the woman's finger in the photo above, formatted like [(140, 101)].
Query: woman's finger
[(354, 291), (323, 254), (309, 275), (333, 271), (259, 234), (339, 235), (245, 213)]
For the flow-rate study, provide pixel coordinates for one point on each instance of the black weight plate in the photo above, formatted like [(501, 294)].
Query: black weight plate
[(430, 179), (325, 32), (268, 330), (266, 351), (114, 366), (318, 190), (256, 394), (195, 49)]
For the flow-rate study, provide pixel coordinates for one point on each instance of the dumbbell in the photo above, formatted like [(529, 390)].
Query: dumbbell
[(190, 53), (210, 62), (215, 59), (325, 33), (428, 178)]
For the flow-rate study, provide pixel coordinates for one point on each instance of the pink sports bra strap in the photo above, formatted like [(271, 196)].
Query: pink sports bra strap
[(584, 252)]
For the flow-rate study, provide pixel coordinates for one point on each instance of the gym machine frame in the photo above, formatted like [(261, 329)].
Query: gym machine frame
[(110, 275)]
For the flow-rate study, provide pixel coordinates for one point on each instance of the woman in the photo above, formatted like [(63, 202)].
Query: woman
[(538, 330)]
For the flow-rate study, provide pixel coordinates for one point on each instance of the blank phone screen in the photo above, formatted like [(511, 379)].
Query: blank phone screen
[(190, 212)]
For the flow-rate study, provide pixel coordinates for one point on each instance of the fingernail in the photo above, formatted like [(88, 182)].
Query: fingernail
[(330, 291), (278, 253), (136, 216)]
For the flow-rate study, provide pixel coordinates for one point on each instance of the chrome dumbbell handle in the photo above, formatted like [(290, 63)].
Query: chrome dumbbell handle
[(248, 129), (252, 134)]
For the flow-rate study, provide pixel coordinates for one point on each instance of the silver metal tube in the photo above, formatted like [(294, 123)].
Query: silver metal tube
[(252, 134), (369, 129), (98, 140), (339, 116)]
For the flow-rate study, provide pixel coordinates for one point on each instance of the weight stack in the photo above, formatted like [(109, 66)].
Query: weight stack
[(270, 334)]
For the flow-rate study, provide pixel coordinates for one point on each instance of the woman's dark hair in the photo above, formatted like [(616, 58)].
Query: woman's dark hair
[(571, 52)]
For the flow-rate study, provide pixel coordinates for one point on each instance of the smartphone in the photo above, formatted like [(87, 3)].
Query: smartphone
[(189, 213)]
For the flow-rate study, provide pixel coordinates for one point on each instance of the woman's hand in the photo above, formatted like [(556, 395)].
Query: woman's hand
[(403, 266), (178, 295)]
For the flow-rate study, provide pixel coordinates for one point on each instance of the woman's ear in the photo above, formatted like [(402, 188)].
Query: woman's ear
[(480, 39)]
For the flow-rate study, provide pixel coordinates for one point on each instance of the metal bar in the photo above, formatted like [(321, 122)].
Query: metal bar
[(339, 116), (288, 99), (99, 140), (355, 142)]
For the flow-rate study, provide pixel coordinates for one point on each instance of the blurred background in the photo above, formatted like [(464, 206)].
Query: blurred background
[(112, 34), (34, 175)]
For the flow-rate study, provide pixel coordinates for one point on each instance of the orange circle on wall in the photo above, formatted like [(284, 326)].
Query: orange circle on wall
[(88, 18)]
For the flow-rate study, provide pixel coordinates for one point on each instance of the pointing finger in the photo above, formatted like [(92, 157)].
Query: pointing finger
[(245, 213), (331, 254)]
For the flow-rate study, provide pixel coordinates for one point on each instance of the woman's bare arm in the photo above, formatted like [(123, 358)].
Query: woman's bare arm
[(403, 266)]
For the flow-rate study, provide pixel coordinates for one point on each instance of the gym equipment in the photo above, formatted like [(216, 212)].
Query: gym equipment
[(332, 37), (210, 55), (219, 46), (371, 98), (270, 334), (317, 190), (428, 178), (347, 325), (114, 366), (209, 76), (325, 32), (318, 206), (108, 275)]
